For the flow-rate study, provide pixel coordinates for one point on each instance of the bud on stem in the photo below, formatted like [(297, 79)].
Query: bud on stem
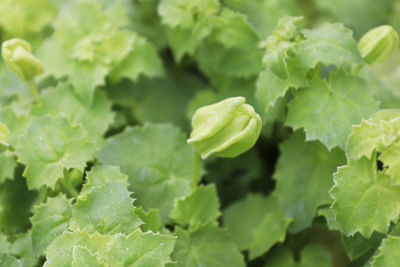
[(378, 44), (226, 129)]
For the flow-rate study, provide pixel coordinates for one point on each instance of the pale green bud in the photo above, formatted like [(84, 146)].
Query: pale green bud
[(19, 59), (3, 137), (225, 129), (379, 43)]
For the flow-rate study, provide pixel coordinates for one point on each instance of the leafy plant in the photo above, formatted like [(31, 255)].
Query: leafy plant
[(199, 133)]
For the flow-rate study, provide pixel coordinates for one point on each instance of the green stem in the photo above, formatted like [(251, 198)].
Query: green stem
[(196, 169), (68, 187), (34, 92)]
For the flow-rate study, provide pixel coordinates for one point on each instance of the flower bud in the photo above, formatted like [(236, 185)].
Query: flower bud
[(3, 137), (379, 43), (226, 129), (19, 59)]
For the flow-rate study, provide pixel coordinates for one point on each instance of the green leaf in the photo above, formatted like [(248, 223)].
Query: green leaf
[(158, 162), (60, 252), (329, 44), (206, 246), (100, 175), (364, 199), (63, 101), (234, 62), (7, 166), (48, 146), (186, 13), (388, 252), (22, 247), (49, 221), (143, 59), (312, 108), (16, 124), (271, 87), (7, 260), (357, 245), (106, 209), (81, 256), (315, 255), (25, 18), (391, 157), (256, 223), (15, 204), (330, 218), (135, 249), (140, 249), (263, 15), (200, 207), (89, 43), (303, 177), (376, 133), (151, 220), (271, 230), (242, 217), (369, 13)]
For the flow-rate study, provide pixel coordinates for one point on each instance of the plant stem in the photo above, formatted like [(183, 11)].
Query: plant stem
[(34, 92), (196, 169), (68, 187)]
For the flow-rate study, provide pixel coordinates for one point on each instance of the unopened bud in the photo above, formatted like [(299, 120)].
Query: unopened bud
[(379, 43), (19, 59), (225, 129)]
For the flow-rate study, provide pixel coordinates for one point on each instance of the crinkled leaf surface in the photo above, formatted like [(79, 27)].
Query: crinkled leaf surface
[(158, 162), (135, 249), (106, 209), (364, 199), (376, 133), (48, 146)]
